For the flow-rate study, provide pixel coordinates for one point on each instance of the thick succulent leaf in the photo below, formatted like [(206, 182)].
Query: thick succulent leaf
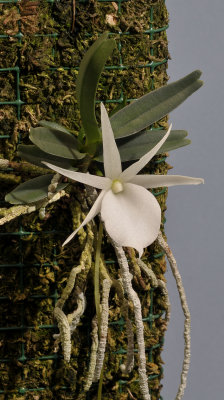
[(35, 156), (134, 147), (56, 142), (137, 147), (89, 74), (33, 190), (53, 125), (151, 107)]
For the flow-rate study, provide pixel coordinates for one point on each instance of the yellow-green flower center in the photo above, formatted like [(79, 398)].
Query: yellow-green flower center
[(117, 186)]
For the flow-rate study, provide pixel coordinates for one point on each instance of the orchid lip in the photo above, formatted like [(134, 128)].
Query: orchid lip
[(117, 186)]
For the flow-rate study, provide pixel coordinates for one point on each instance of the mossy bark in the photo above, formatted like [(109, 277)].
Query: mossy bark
[(34, 266)]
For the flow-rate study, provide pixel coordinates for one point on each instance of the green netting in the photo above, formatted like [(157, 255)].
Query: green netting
[(34, 245)]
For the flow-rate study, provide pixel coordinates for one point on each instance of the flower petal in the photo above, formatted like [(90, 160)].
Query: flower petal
[(99, 182), (111, 156), (132, 217), (92, 213), (131, 171), (153, 181)]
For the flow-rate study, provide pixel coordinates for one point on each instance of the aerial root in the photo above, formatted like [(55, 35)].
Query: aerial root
[(67, 324), (103, 329), (133, 297), (187, 322)]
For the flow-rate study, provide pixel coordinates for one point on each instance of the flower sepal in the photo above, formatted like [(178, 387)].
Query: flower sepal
[(130, 213)]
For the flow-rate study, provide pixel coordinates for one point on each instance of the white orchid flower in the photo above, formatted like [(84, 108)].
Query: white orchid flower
[(131, 214)]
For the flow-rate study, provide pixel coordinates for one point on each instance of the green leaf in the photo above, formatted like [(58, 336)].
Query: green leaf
[(151, 107), (90, 70), (52, 141), (33, 190), (134, 147), (53, 125), (35, 156)]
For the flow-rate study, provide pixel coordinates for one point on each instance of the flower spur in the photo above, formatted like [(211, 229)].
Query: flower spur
[(131, 214)]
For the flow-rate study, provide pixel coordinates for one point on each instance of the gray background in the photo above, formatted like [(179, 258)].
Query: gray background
[(195, 214)]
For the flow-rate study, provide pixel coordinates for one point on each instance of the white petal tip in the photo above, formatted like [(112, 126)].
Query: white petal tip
[(198, 181), (140, 252), (102, 107), (66, 242), (69, 238)]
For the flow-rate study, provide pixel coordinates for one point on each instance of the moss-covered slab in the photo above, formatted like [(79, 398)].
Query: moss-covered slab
[(33, 265)]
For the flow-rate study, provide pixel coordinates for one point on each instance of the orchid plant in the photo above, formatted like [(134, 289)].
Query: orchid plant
[(130, 214), (132, 218), (55, 144)]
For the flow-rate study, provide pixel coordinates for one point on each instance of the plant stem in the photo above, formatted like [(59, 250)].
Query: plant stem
[(97, 273), (100, 386)]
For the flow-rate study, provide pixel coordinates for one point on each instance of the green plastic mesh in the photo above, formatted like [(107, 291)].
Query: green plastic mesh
[(32, 267)]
